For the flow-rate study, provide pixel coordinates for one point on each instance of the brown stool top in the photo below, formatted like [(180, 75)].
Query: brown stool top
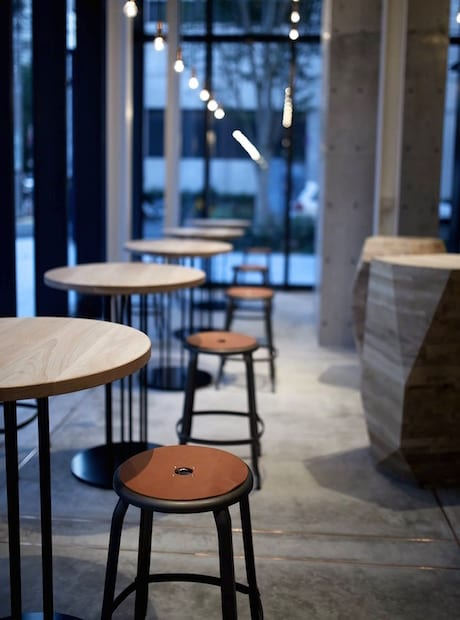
[(258, 249), (250, 267), (183, 473), (249, 292), (222, 342)]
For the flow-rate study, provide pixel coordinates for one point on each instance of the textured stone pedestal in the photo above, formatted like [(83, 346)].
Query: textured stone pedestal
[(382, 246), (411, 367)]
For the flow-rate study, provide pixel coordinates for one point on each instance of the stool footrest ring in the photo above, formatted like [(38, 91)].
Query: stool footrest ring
[(184, 577), (222, 442)]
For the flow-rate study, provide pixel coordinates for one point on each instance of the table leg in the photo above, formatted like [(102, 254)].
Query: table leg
[(12, 489), (45, 505), (96, 465)]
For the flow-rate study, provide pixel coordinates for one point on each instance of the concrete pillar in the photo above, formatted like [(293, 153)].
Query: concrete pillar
[(351, 47), (422, 132), (383, 113), (173, 128), (390, 116), (119, 129)]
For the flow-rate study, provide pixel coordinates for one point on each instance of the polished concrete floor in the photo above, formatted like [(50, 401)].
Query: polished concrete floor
[(334, 538)]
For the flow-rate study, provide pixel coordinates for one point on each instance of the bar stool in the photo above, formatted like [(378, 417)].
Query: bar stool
[(223, 344), (252, 303), (183, 480), (249, 265)]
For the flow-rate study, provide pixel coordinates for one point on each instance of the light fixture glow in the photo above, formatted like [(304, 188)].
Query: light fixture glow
[(248, 146), (158, 41), (130, 8), (293, 34), (457, 19), (179, 64), (287, 108), (204, 94), (212, 105), (295, 17), (193, 80), (219, 113)]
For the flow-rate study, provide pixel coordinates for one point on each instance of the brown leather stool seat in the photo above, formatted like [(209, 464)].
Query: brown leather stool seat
[(252, 302), (223, 344), (183, 480)]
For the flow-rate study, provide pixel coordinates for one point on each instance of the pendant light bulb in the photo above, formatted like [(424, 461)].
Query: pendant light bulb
[(158, 41), (293, 34), (193, 80), (179, 64), (219, 113), (130, 8), (204, 94), (212, 105), (457, 19)]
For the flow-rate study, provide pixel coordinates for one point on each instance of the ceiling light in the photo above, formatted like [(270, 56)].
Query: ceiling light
[(179, 64), (204, 94), (130, 8), (158, 41), (193, 80), (219, 113)]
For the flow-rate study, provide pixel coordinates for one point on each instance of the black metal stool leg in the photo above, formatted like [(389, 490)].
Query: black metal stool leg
[(254, 595), (185, 424), (112, 559), (252, 411), (143, 564), (227, 569), (269, 332), (227, 324)]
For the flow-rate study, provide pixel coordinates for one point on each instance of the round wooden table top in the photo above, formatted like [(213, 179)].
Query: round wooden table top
[(45, 356), (124, 278), (216, 222), (449, 262), (178, 248), (198, 232)]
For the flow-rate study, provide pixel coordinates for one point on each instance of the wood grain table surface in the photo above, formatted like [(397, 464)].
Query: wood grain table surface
[(124, 278), (178, 248), (45, 356), (197, 232)]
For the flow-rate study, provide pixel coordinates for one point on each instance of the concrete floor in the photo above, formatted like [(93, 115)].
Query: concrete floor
[(333, 537)]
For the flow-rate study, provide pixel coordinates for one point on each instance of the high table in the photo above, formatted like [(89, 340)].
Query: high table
[(374, 247), (42, 357), (214, 234), (174, 377), (411, 367), (118, 282), (217, 222)]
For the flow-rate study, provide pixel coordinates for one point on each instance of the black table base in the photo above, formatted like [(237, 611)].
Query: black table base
[(97, 465), (173, 378)]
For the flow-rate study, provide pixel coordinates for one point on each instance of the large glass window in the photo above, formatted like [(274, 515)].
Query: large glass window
[(23, 155), (256, 156), (449, 209)]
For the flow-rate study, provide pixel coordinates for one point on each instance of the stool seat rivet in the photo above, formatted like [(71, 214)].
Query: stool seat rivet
[(183, 471)]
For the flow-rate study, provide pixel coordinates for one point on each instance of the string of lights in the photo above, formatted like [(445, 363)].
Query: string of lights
[(130, 10)]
